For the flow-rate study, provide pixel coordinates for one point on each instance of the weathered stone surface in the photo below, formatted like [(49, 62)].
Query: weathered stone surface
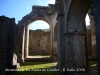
[(60, 33), (89, 44), (14, 59), (38, 12), (45, 13), (55, 50), (15, 62), (7, 26), (75, 32), (71, 43), (93, 37), (16, 44), (39, 42), (55, 33)]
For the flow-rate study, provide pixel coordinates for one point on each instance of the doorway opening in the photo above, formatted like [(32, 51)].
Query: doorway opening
[(91, 41), (39, 40)]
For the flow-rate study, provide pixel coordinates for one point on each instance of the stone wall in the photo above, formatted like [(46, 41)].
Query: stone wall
[(55, 50), (39, 42), (93, 35), (16, 45), (7, 26), (89, 44)]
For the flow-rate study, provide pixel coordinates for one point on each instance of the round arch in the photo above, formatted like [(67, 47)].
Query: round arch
[(39, 24), (27, 24), (38, 13), (42, 19), (39, 43), (75, 33)]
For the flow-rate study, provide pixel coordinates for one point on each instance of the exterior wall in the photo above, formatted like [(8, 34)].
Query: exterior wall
[(7, 26), (16, 44), (39, 42)]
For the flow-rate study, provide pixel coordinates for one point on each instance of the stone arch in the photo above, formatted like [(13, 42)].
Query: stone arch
[(38, 13), (75, 33), (32, 19), (39, 42), (40, 22), (42, 19)]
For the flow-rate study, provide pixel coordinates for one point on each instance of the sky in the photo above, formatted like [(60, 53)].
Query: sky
[(19, 8)]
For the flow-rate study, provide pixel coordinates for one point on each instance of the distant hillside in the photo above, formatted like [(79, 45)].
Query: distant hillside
[(46, 30)]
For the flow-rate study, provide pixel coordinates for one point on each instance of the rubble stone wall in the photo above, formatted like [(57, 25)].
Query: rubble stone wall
[(39, 42), (7, 26)]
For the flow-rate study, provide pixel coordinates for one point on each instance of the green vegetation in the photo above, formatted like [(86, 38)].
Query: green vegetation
[(37, 73), (34, 68), (46, 30), (34, 65), (29, 67), (93, 63)]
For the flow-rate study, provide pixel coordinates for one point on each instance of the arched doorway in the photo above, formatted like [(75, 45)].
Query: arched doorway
[(38, 13), (39, 39), (43, 13), (75, 54)]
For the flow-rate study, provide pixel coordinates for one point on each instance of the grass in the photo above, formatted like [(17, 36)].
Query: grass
[(35, 65), (93, 63), (37, 73), (25, 67)]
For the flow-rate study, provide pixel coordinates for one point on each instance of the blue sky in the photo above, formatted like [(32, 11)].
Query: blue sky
[(19, 8)]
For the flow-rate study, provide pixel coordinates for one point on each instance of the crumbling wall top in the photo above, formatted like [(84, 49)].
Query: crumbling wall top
[(38, 13)]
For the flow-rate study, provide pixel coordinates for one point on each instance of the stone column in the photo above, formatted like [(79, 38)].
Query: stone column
[(21, 36), (93, 37), (61, 37), (51, 41), (96, 14), (75, 12), (26, 42)]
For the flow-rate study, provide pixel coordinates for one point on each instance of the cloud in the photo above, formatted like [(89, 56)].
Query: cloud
[(27, 7), (40, 2), (45, 2), (51, 1)]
